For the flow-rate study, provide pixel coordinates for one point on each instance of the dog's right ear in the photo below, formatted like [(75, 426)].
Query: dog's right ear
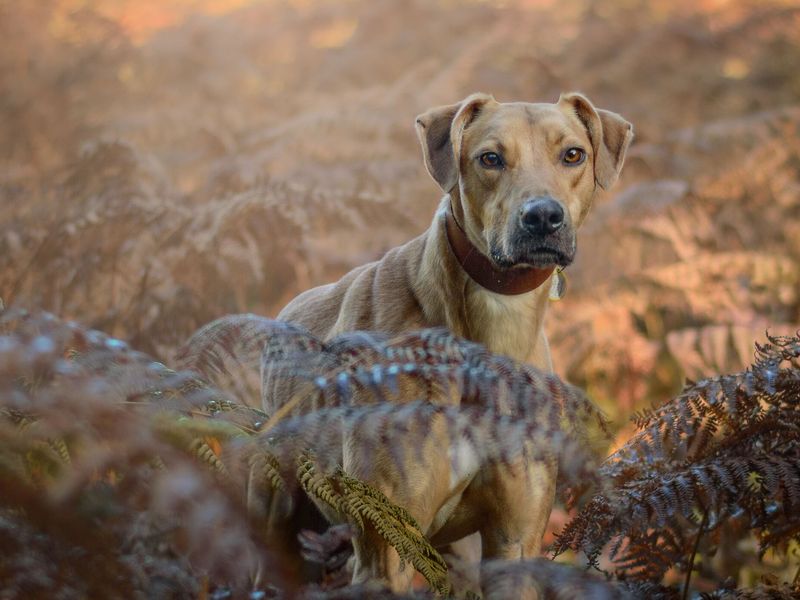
[(440, 131)]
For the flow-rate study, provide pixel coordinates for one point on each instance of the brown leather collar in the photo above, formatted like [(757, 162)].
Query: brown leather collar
[(510, 282)]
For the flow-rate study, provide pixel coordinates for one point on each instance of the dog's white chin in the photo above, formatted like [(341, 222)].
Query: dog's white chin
[(544, 260)]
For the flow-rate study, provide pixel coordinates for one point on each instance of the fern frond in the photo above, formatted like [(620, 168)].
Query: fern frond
[(201, 449), (395, 525), (726, 448), (265, 468), (360, 503)]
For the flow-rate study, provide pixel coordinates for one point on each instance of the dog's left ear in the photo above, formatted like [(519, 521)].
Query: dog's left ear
[(440, 131), (610, 135)]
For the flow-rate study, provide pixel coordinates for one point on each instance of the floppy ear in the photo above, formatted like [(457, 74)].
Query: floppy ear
[(440, 131), (610, 135)]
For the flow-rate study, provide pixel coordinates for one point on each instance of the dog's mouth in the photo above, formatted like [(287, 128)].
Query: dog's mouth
[(547, 257), (521, 249), (540, 258)]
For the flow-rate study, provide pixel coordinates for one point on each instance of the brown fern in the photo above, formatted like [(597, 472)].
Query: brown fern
[(722, 455)]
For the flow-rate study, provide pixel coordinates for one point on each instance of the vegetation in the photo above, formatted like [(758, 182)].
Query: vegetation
[(704, 471), (164, 485), (166, 163)]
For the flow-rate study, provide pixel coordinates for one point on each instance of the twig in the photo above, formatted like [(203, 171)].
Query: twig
[(694, 553)]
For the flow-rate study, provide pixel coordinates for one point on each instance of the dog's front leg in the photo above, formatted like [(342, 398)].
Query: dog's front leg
[(376, 560), (420, 487), (518, 502)]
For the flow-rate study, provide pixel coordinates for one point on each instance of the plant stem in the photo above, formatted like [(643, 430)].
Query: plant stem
[(694, 553)]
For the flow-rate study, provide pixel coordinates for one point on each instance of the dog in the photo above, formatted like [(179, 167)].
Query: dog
[(518, 181)]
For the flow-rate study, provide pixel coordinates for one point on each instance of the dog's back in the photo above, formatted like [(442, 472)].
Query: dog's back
[(378, 296)]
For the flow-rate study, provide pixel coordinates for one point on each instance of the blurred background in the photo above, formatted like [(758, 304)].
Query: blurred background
[(165, 162)]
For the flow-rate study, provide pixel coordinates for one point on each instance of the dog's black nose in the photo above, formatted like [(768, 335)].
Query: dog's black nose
[(542, 216)]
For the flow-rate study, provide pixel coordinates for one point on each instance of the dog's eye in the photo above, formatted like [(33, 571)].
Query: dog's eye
[(573, 156), (491, 160)]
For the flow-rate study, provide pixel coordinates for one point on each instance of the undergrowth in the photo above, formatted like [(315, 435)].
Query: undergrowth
[(125, 478), (704, 473)]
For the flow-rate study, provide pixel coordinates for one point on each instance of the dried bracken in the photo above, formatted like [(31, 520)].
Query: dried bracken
[(101, 436), (166, 163), (84, 414), (705, 469), (118, 445)]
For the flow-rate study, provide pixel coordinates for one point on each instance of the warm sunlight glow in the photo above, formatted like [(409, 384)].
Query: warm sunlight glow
[(142, 18)]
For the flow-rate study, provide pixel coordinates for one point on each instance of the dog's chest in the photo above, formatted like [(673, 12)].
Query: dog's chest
[(505, 324)]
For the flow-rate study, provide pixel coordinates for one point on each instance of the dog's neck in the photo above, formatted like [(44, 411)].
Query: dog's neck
[(505, 324)]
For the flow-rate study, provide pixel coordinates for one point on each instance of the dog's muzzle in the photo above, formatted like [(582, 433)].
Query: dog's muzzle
[(542, 235)]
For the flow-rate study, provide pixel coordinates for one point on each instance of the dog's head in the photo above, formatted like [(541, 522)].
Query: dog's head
[(522, 176)]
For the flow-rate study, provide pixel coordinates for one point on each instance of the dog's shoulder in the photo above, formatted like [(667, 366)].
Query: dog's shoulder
[(377, 296)]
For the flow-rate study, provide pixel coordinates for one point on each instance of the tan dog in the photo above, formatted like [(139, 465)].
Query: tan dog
[(519, 179)]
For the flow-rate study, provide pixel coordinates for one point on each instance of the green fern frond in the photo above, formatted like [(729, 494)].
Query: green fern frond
[(41, 461), (191, 435), (206, 454), (264, 468), (357, 501), (398, 528), (59, 446), (186, 429), (362, 489), (322, 487)]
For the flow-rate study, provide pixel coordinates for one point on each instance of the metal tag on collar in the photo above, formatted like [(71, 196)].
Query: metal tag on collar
[(558, 285)]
